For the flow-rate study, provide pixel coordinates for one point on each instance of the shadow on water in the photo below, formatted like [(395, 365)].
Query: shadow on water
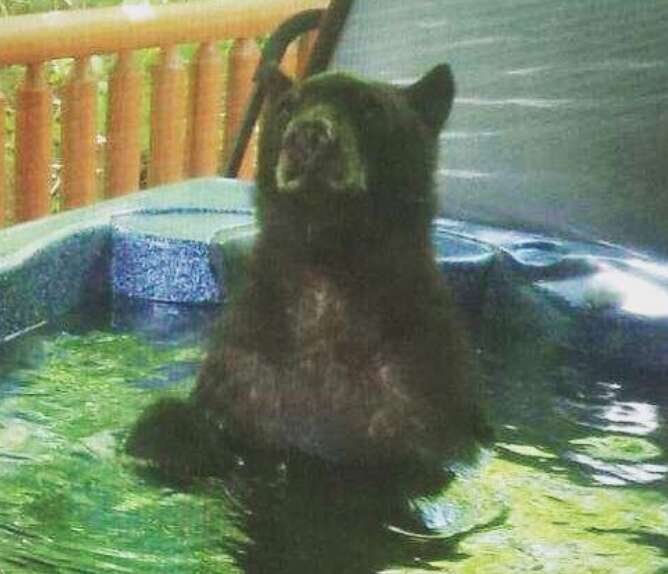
[(311, 518), (298, 514), (646, 538)]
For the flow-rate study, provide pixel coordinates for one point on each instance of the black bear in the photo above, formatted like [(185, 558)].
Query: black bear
[(343, 342)]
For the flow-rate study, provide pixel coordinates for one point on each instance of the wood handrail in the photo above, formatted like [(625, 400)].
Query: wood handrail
[(187, 117), (132, 27)]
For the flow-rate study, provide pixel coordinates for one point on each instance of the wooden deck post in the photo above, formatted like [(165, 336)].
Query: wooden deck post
[(79, 136), (168, 118), (124, 127), (205, 122), (33, 145), (244, 58)]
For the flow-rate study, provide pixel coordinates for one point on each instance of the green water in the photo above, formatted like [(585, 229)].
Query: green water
[(567, 490), (70, 500)]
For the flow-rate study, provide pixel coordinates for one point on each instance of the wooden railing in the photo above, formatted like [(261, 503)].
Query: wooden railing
[(195, 107)]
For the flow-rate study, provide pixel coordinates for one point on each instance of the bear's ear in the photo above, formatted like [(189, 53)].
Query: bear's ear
[(432, 96), (273, 80)]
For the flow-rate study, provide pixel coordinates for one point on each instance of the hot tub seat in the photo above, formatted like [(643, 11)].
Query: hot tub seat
[(186, 243)]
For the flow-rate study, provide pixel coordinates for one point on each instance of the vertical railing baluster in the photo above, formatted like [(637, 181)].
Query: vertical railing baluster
[(244, 58), (204, 125), (79, 136), (124, 127), (290, 63), (3, 179), (304, 48), (168, 118), (33, 144)]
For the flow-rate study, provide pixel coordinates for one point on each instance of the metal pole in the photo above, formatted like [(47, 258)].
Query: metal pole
[(330, 24)]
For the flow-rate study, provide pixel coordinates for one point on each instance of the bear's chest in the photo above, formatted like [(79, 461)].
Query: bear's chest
[(319, 308), (336, 361), (323, 316)]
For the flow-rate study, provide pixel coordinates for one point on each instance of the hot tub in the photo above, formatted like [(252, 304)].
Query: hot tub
[(104, 310)]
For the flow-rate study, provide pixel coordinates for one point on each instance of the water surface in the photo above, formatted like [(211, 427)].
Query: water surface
[(577, 482)]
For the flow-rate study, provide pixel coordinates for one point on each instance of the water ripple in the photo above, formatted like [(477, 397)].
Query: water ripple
[(629, 417), (617, 474)]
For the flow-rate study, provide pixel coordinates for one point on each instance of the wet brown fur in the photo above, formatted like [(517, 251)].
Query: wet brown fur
[(344, 342)]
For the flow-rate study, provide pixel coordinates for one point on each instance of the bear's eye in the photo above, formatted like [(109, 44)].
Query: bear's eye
[(372, 110), (286, 106)]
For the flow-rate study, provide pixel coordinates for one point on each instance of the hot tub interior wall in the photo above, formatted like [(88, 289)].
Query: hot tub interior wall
[(560, 121)]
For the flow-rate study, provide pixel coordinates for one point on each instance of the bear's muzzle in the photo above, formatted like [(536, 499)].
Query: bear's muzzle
[(317, 156), (309, 146)]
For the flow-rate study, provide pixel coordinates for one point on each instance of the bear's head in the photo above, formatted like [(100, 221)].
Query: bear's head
[(344, 152)]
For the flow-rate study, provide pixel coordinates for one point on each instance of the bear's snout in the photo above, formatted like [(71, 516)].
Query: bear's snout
[(307, 144), (310, 155), (318, 154)]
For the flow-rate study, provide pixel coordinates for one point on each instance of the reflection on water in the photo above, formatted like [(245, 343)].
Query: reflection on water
[(633, 418), (308, 518), (617, 474), (629, 417), (625, 288), (576, 484)]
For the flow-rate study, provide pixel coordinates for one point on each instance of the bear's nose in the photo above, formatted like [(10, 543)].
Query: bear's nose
[(307, 143)]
